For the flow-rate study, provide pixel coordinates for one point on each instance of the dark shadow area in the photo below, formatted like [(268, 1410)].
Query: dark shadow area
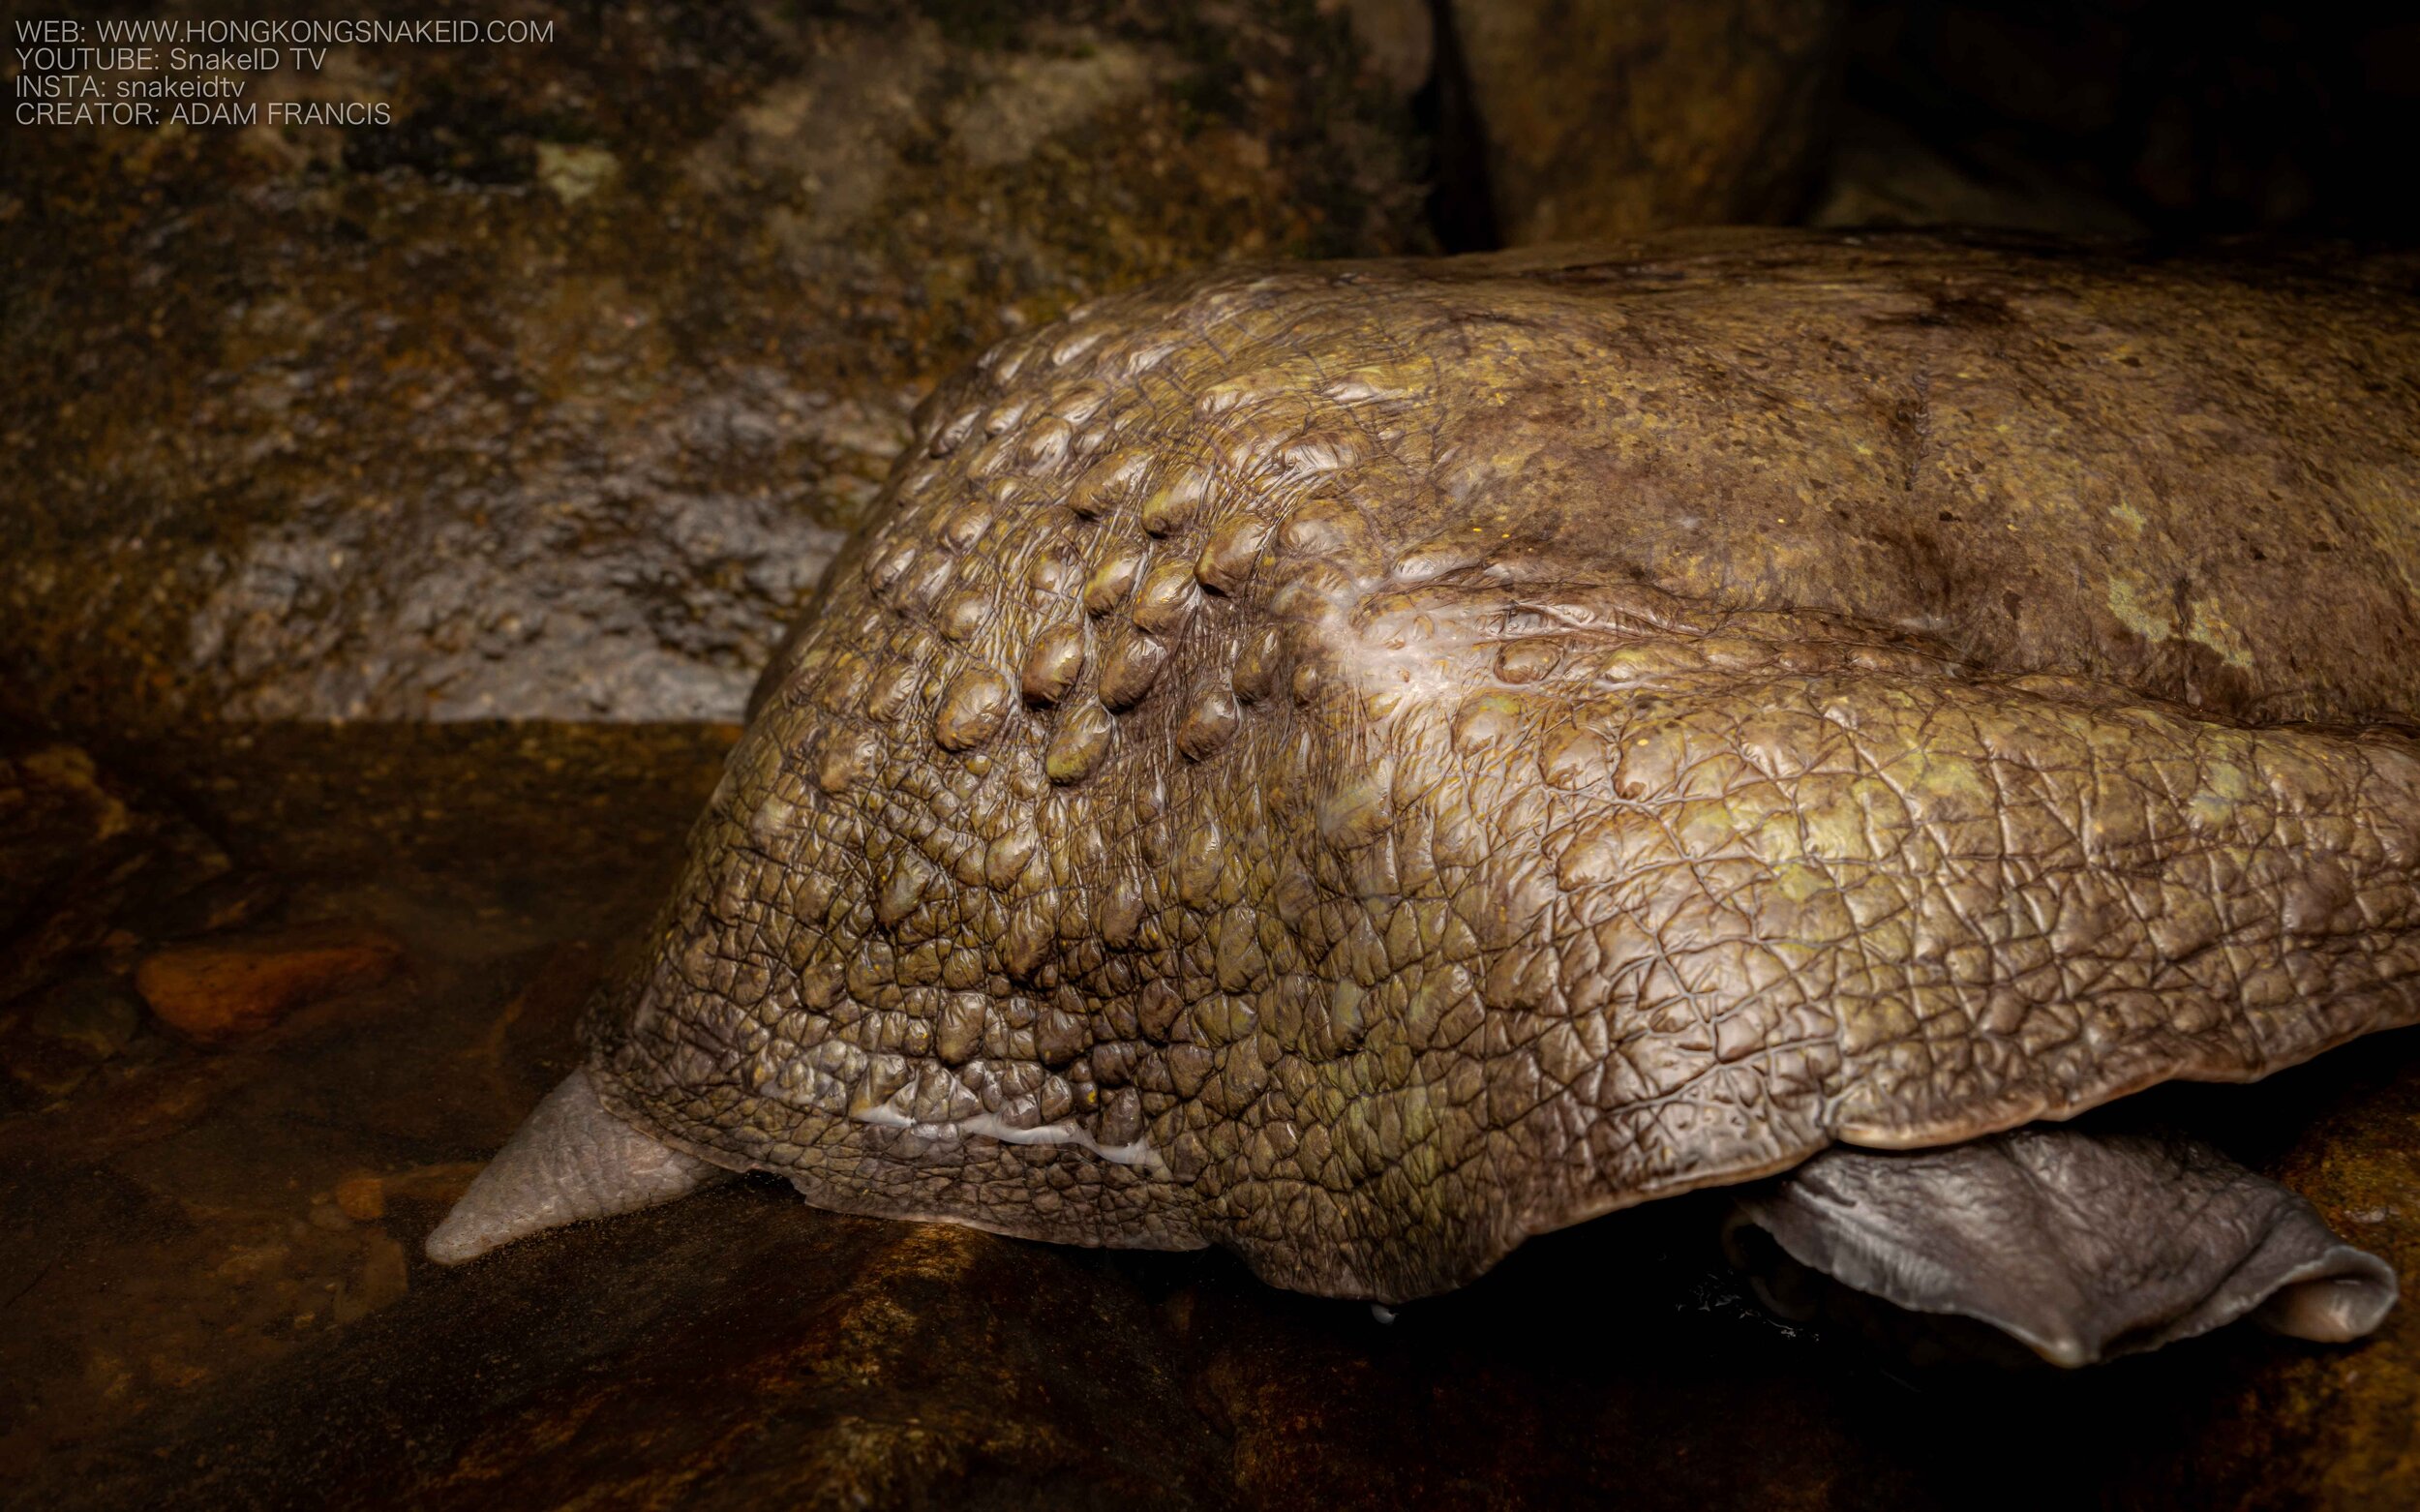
[(2176, 119), (1462, 214)]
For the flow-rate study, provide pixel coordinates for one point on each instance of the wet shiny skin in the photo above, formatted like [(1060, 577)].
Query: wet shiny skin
[(1434, 752)]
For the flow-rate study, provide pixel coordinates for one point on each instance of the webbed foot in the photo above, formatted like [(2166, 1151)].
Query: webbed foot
[(2079, 1245)]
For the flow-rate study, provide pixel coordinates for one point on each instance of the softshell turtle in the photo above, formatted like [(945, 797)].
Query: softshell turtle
[(1364, 764)]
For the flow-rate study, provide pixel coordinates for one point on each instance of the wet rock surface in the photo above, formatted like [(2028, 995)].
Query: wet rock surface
[(211, 1292), (83, 847), (176, 1211), (549, 400), (222, 990), (1612, 117)]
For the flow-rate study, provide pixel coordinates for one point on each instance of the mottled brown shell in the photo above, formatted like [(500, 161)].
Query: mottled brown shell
[(1364, 764)]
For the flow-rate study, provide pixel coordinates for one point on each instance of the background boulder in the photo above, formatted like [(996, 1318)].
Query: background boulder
[(552, 398)]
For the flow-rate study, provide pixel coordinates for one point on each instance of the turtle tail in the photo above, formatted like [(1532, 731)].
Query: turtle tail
[(571, 1160)]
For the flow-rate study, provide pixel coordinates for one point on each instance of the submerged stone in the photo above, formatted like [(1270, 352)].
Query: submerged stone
[(226, 988)]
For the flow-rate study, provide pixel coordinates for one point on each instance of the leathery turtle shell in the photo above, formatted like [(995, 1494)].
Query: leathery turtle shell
[(1367, 762)]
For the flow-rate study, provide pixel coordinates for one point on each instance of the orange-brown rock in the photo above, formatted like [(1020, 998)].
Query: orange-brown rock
[(361, 1199), (223, 990)]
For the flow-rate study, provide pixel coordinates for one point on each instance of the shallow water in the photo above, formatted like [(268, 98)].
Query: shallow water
[(211, 1292)]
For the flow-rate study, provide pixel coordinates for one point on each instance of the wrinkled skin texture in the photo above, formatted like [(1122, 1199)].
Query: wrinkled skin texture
[(2079, 1243), (1367, 762)]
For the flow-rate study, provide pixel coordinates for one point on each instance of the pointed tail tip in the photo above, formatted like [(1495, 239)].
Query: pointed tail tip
[(571, 1160), (461, 1237)]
